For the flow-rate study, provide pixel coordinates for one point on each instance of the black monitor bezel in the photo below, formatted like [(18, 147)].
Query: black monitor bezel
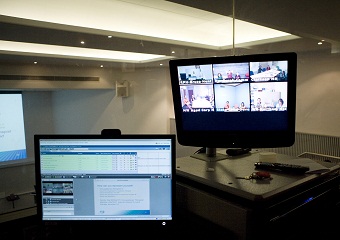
[(237, 139), (80, 226)]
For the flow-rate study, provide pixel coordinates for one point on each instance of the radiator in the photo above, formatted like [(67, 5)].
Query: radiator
[(313, 144)]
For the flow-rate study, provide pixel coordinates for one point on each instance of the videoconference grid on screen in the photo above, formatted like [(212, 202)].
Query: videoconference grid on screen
[(100, 180), (250, 86), (253, 87)]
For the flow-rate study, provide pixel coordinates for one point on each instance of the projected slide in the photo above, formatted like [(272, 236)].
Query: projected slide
[(12, 132)]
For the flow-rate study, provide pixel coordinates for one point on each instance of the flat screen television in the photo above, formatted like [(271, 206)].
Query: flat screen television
[(98, 183), (236, 102)]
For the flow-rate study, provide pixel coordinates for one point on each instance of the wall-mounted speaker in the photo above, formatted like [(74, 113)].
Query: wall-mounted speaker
[(122, 89)]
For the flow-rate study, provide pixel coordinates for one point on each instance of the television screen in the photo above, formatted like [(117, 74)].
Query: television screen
[(126, 180), (12, 130), (243, 101)]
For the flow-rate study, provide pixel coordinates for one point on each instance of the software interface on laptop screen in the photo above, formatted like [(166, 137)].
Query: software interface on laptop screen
[(105, 179)]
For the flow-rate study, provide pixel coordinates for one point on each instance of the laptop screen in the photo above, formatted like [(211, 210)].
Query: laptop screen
[(96, 177)]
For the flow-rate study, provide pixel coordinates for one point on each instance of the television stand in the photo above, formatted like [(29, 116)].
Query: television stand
[(211, 154)]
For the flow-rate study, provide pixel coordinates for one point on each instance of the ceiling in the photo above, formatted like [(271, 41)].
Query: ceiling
[(306, 22)]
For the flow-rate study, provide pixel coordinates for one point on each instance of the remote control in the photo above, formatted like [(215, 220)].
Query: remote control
[(282, 167)]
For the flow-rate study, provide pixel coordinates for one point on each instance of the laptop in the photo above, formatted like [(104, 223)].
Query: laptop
[(106, 182)]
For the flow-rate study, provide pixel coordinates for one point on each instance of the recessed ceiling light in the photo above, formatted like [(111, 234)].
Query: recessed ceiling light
[(109, 36), (319, 43), (35, 62), (82, 42)]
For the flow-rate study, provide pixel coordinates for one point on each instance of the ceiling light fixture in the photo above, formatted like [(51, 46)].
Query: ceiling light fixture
[(185, 25), (34, 49)]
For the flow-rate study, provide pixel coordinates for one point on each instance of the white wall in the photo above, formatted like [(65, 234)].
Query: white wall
[(146, 110), (318, 95)]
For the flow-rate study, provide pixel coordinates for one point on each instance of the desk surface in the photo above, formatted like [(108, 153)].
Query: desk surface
[(222, 175)]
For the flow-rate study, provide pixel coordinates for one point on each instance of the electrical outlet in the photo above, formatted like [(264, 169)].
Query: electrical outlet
[(12, 197)]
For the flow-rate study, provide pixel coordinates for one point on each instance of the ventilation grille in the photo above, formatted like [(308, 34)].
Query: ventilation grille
[(320, 157), (47, 78), (319, 144)]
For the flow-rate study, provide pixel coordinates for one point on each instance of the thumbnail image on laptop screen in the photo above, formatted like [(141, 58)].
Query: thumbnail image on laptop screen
[(92, 177)]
